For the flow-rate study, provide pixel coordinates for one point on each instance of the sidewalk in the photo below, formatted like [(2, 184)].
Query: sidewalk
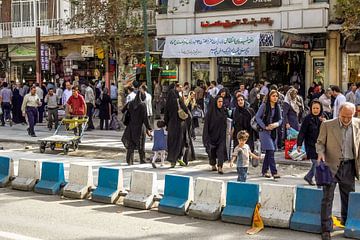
[(108, 140)]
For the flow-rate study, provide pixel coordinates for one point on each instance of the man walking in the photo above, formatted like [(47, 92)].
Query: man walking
[(339, 99), (6, 101), (338, 147), (90, 103), (29, 108), (51, 100), (41, 108)]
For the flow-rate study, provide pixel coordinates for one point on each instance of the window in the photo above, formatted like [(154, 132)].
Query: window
[(23, 10)]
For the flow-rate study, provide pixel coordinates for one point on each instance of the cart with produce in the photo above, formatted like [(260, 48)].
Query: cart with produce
[(67, 136)]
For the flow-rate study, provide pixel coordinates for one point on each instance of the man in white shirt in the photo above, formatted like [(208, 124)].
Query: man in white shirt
[(339, 99), (244, 91), (67, 93), (131, 95), (148, 101), (264, 90), (350, 96), (90, 103), (113, 93)]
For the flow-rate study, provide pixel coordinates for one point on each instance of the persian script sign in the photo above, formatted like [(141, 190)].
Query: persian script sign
[(223, 5), (212, 45)]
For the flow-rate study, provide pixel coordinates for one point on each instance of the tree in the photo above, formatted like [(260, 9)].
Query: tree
[(348, 11)]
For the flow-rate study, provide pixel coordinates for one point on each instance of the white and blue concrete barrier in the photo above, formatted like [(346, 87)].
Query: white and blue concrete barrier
[(6, 170), (178, 194), (143, 189), (28, 175), (52, 178), (80, 181), (306, 216), (352, 226), (241, 201), (277, 202), (209, 198), (110, 184)]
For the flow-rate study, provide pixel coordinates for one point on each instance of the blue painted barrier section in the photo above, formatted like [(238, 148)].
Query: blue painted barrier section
[(177, 194), (306, 216), (108, 185), (352, 226), (52, 178), (4, 170), (241, 200)]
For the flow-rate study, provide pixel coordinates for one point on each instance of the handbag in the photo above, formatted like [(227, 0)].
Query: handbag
[(181, 113), (197, 112), (254, 125), (323, 176), (126, 118)]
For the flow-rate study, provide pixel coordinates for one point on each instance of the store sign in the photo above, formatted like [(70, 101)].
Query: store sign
[(87, 51), (212, 45), (223, 5), (296, 41), (16, 51), (243, 21)]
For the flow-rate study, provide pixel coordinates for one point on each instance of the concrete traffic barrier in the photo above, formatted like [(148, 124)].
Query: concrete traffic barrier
[(306, 216), (143, 188), (209, 198), (352, 226), (80, 181), (241, 200), (6, 170), (28, 175), (277, 203), (110, 184), (178, 194), (52, 178)]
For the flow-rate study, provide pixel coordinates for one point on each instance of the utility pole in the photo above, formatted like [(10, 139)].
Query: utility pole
[(147, 53), (38, 56)]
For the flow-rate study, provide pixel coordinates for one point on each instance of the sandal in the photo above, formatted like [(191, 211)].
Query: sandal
[(182, 163)]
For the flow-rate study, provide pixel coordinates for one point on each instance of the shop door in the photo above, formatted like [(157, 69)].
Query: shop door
[(200, 71)]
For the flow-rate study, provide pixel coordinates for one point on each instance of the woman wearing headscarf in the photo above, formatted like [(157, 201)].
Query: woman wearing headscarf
[(269, 119), (138, 126), (241, 121), (176, 126), (104, 109), (292, 108), (17, 102), (225, 94), (214, 134)]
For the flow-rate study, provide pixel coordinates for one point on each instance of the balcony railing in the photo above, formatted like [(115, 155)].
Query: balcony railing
[(50, 27)]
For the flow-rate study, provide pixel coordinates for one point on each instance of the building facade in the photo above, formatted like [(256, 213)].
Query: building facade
[(294, 41)]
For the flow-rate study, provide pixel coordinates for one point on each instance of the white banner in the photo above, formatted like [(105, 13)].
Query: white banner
[(212, 45)]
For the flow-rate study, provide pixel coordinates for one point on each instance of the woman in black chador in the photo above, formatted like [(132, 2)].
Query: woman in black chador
[(138, 126), (176, 127), (16, 110), (214, 134)]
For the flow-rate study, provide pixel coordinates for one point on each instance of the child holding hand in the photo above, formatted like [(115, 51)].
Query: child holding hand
[(242, 154)]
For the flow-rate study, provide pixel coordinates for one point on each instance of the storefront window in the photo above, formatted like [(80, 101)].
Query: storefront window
[(354, 68), (23, 10), (200, 71)]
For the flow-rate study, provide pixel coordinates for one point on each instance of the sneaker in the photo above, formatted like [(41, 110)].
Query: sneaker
[(181, 163), (220, 170), (309, 181), (33, 135), (173, 165), (267, 175), (276, 176), (153, 165)]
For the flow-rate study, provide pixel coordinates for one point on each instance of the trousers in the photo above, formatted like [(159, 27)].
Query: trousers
[(32, 115), (345, 177), (269, 162)]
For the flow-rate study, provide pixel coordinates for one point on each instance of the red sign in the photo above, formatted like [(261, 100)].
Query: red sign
[(233, 5), (244, 21), (212, 3)]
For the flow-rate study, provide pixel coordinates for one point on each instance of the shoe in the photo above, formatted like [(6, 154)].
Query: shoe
[(153, 165), (276, 176), (220, 170), (310, 182), (173, 164), (33, 135), (213, 168), (28, 130), (181, 163), (326, 236), (267, 175)]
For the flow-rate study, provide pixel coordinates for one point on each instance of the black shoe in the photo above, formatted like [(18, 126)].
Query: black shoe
[(153, 165), (33, 135), (28, 130), (325, 236), (310, 182), (220, 170)]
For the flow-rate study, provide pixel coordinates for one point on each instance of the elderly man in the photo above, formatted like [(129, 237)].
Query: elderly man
[(338, 146), (29, 108)]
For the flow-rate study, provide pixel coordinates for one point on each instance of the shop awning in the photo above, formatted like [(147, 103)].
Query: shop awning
[(212, 45)]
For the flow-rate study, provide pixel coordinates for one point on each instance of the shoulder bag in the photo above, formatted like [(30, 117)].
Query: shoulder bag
[(181, 113)]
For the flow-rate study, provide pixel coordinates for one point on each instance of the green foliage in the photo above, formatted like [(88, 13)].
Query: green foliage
[(349, 12)]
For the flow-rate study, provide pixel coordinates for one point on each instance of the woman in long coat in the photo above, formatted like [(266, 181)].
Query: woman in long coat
[(176, 127), (16, 110), (269, 119), (291, 110), (214, 133), (104, 109), (241, 121), (138, 126)]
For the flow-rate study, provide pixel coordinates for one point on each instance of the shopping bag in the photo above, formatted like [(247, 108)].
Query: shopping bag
[(323, 175), (297, 156), (289, 145), (257, 224), (291, 134)]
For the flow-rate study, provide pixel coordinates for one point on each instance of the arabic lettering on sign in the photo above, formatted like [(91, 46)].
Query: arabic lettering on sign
[(244, 21), (212, 45)]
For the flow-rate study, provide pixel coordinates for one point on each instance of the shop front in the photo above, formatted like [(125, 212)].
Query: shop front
[(22, 66), (351, 62)]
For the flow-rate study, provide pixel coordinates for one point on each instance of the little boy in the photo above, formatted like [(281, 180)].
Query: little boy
[(242, 154), (160, 144)]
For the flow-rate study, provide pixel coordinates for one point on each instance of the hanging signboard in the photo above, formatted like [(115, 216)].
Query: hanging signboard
[(87, 51), (224, 5), (212, 45)]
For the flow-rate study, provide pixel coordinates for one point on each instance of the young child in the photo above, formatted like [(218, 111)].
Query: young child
[(160, 143), (242, 154)]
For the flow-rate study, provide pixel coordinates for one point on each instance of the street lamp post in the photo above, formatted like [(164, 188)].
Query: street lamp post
[(147, 53)]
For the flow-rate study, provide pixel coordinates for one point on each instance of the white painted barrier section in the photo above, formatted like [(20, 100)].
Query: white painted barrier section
[(28, 175), (209, 198), (277, 202), (80, 180), (143, 188)]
